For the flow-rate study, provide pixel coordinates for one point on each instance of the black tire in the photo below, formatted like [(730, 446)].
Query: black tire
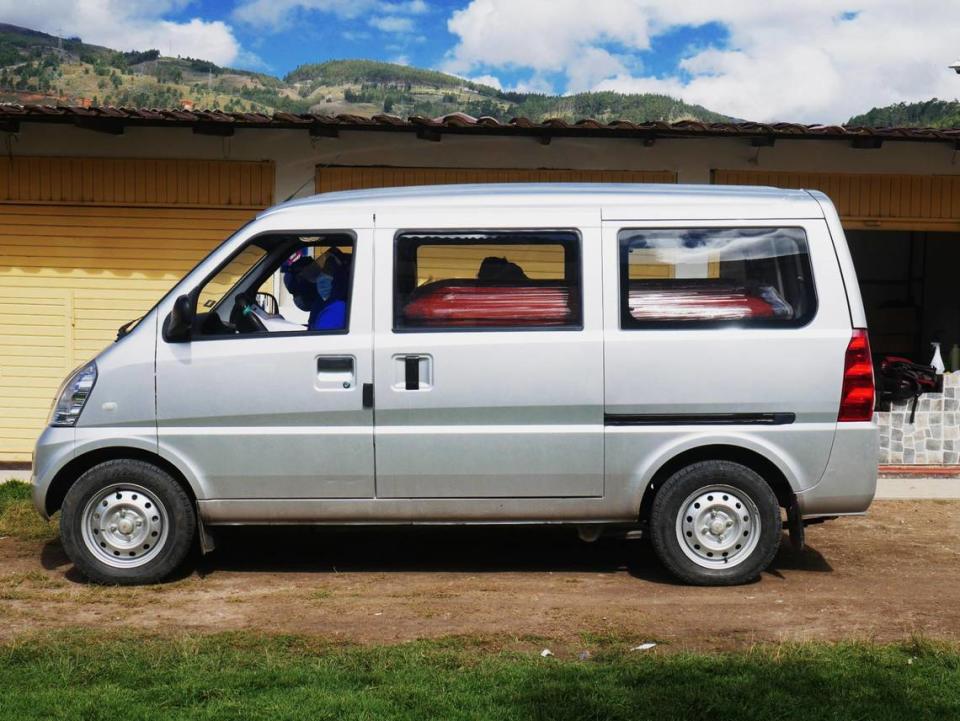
[(179, 523), (667, 525)]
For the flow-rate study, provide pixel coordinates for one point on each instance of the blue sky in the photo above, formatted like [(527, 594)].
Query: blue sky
[(310, 36), (793, 60), (314, 36)]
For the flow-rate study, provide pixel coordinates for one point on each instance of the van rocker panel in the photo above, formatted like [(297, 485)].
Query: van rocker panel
[(415, 511)]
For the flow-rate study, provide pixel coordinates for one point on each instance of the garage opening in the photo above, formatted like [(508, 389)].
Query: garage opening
[(908, 280)]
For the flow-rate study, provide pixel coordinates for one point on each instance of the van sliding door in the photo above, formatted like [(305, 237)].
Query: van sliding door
[(488, 359)]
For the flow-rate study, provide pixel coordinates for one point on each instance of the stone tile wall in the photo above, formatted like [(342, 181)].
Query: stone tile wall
[(933, 437)]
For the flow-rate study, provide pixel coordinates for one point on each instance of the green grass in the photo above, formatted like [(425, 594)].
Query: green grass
[(12, 492), (18, 517), (112, 674)]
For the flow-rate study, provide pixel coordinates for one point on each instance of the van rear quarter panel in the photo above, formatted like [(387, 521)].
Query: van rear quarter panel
[(725, 370)]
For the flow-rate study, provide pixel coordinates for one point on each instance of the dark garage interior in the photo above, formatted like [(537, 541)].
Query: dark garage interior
[(909, 284)]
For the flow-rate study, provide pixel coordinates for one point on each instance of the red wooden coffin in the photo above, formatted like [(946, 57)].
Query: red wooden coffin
[(695, 302), (453, 303)]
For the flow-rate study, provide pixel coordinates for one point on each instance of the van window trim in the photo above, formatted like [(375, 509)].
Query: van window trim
[(707, 325), (572, 327), (194, 294)]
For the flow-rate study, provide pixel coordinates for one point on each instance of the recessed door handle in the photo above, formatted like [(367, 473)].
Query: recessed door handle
[(335, 373), (411, 371)]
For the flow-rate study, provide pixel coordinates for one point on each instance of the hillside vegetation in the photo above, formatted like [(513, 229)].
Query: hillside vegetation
[(933, 113), (40, 68)]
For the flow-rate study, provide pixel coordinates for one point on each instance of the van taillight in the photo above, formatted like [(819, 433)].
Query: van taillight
[(856, 398)]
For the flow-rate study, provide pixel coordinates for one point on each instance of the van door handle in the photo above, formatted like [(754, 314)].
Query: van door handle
[(335, 372), (411, 372)]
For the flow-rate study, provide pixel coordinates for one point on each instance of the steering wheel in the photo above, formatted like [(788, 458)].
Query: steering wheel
[(242, 316)]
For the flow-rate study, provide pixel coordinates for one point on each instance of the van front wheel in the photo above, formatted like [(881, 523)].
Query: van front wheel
[(715, 523), (127, 522)]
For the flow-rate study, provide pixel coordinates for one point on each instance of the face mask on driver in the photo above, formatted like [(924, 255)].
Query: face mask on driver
[(325, 285), (303, 292)]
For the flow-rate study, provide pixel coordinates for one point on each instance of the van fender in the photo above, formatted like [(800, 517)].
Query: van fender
[(647, 467), (89, 446), (141, 439)]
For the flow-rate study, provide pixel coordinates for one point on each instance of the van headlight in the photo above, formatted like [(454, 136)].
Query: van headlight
[(72, 396)]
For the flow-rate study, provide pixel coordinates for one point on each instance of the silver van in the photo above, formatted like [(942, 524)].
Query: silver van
[(690, 363)]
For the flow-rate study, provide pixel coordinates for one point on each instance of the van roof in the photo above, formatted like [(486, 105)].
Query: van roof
[(618, 200)]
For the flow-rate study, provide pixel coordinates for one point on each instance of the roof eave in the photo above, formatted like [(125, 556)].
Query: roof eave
[(221, 123)]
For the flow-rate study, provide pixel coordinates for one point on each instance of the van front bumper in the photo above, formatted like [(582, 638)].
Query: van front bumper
[(849, 482), (55, 448)]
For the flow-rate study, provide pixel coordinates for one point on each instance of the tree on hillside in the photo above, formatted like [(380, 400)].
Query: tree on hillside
[(933, 113)]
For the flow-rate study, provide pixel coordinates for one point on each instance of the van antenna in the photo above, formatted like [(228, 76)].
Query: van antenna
[(294, 193)]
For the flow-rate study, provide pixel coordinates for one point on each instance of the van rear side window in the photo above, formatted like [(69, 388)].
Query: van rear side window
[(479, 280), (705, 277)]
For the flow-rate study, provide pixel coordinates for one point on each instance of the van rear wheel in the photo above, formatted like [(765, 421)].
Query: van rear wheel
[(127, 522), (715, 523)]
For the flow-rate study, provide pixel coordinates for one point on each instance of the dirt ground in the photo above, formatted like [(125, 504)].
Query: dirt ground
[(883, 577)]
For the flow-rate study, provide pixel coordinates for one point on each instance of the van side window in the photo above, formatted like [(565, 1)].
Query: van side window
[(705, 277), (229, 275), (312, 272), (487, 280)]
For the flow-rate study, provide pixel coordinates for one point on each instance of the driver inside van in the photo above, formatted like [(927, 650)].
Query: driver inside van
[(320, 286)]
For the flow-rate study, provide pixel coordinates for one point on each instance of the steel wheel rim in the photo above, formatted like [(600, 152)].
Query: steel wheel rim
[(124, 525), (718, 526)]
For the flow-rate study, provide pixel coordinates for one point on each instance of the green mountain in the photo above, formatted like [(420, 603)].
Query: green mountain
[(40, 68), (926, 114)]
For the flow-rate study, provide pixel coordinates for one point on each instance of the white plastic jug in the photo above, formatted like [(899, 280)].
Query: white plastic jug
[(937, 360)]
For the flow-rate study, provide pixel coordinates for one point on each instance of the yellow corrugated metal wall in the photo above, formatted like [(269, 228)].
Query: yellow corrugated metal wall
[(871, 200), (353, 178), (88, 244)]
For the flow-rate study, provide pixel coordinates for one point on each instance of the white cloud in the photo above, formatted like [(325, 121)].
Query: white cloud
[(274, 15), (278, 14), (127, 25), (593, 66), (491, 80), (537, 83), (545, 36), (804, 60), (412, 7), (392, 24)]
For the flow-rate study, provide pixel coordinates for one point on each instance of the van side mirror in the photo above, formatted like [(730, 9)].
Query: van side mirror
[(179, 324), (268, 302)]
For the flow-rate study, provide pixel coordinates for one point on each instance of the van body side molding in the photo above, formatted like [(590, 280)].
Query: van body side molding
[(699, 419)]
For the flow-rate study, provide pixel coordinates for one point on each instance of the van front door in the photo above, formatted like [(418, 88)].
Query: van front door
[(488, 357), (276, 412)]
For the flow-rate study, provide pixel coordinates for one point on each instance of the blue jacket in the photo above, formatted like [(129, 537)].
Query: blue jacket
[(331, 315)]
